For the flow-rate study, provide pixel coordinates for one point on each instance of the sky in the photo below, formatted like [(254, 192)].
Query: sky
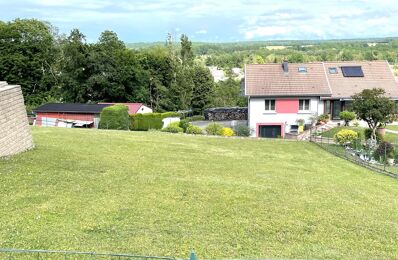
[(213, 20)]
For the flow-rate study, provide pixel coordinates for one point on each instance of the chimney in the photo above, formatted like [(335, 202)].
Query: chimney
[(285, 66)]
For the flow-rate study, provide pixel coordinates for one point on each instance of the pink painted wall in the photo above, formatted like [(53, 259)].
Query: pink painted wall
[(287, 105)]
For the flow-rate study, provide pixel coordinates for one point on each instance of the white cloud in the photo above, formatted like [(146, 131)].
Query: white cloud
[(265, 31), (203, 31), (139, 20)]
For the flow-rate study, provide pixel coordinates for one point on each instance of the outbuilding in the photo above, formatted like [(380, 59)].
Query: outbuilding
[(69, 115)]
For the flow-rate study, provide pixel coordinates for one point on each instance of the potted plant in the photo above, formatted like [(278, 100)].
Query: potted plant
[(300, 122), (323, 119), (382, 129)]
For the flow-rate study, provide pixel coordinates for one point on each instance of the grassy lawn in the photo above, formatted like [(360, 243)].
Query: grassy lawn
[(330, 133), (390, 137), (392, 127), (162, 194)]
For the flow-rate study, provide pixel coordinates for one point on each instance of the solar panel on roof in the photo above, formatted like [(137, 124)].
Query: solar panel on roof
[(352, 71)]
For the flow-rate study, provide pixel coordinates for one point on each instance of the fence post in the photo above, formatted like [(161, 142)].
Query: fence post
[(385, 156), (192, 255)]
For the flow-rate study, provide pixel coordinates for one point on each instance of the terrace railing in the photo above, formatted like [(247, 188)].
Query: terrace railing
[(355, 153)]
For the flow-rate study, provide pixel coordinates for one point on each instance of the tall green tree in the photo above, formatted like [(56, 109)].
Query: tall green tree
[(28, 55), (160, 75), (186, 50), (373, 107), (203, 89), (227, 94), (74, 67)]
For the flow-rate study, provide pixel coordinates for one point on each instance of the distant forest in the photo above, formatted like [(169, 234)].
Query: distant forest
[(236, 54)]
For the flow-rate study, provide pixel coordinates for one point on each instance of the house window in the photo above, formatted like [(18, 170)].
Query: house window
[(304, 104), (333, 70), (302, 69), (270, 105), (327, 107)]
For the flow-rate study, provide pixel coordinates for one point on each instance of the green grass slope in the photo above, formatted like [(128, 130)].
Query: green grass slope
[(162, 194)]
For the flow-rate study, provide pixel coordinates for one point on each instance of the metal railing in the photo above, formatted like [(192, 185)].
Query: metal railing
[(355, 152), (9, 253)]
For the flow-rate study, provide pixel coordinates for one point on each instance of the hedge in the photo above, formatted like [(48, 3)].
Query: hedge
[(115, 117), (173, 128), (144, 122)]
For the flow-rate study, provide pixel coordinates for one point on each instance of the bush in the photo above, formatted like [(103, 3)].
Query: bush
[(170, 114), (242, 130), (144, 122), (368, 134), (194, 130), (226, 131), (173, 128), (384, 149), (115, 117), (195, 118), (184, 123), (323, 118), (345, 136), (214, 129), (347, 116)]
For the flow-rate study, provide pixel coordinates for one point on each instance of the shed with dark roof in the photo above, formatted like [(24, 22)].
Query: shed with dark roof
[(69, 114)]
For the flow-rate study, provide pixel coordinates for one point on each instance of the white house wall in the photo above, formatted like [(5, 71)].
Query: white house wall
[(144, 110), (258, 114)]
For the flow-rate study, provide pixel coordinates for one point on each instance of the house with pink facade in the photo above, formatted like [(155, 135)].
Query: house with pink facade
[(281, 95)]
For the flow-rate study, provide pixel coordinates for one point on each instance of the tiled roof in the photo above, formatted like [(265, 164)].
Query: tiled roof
[(271, 80), (377, 74)]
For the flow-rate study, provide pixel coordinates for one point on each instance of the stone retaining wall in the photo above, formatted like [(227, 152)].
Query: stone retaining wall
[(226, 113), (15, 134)]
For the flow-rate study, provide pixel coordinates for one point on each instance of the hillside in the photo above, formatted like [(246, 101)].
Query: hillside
[(161, 194), (235, 54)]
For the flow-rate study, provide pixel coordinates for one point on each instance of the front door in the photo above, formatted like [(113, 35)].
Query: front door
[(337, 108), (270, 131)]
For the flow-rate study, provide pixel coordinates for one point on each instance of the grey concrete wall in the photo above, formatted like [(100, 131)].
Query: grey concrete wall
[(15, 134)]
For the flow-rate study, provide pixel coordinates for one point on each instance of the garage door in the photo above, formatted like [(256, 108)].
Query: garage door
[(270, 131)]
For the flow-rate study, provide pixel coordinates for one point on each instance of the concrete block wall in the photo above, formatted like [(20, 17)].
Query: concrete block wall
[(15, 134)]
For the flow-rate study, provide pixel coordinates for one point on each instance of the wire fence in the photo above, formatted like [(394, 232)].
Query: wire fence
[(357, 152), (16, 254)]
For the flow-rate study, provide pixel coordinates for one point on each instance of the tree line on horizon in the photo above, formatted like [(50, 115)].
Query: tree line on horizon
[(66, 68), (237, 54)]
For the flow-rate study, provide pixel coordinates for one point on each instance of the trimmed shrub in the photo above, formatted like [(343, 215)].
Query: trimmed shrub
[(242, 130), (184, 123), (195, 118), (173, 128), (115, 117), (345, 136), (144, 122), (347, 116), (194, 130), (213, 129), (368, 134), (323, 118), (385, 149), (226, 131), (170, 114)]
